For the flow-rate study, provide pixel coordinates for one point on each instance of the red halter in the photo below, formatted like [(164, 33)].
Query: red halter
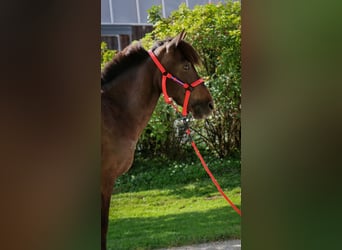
[(188, 87)]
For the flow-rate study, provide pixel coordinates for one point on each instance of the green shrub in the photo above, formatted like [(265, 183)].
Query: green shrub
[(106, 54)]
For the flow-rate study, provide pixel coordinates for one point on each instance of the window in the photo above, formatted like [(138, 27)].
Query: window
[(192, 3), (171, 5), (105, 12), (124, 11), (144, 6)]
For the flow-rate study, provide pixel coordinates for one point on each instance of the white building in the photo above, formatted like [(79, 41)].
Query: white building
[(125, 20)]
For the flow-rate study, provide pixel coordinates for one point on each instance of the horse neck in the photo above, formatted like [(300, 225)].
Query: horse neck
[(134, 96)]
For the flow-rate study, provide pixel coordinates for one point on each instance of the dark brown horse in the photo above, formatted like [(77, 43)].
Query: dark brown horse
[(131, 85)]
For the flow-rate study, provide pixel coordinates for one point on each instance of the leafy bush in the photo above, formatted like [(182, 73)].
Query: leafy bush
[(215, 32), (106, 54)]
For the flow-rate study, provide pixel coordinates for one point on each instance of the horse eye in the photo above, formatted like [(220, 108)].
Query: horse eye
[(187, 66)]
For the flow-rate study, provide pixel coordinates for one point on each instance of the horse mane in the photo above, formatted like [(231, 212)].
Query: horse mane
[(129, 57), (135, 54)]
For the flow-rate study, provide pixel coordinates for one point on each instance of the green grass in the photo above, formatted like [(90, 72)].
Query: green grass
[(184, 208)]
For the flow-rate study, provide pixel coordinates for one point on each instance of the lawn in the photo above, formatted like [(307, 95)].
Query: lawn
[(183, 208)]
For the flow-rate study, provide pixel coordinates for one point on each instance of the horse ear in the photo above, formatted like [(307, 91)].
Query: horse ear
[(180, 37), (175, 41)]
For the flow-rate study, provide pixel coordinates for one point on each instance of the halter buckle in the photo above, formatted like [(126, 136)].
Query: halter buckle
[(188, 87)]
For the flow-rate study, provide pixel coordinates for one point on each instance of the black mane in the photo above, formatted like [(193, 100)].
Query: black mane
[(135, 54), (132, 55)]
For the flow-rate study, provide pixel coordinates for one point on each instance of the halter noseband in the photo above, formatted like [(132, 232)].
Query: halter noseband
[(188, 87)]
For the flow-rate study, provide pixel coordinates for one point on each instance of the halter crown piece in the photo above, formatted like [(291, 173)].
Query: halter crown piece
[(188, 87)]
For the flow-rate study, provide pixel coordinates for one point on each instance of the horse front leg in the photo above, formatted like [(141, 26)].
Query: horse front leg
[(106, 193)]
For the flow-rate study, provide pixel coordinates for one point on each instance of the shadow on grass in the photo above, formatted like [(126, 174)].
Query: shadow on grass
[(173, 230), (203, 188), (199, 189)]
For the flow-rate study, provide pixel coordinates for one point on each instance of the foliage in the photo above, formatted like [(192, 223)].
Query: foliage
[(154, 14), (215, 32), (106, 54)]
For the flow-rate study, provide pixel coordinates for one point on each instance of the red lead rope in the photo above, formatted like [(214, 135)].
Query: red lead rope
[(211, 175)]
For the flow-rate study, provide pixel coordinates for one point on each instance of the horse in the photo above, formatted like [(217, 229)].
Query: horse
[(131, 85)]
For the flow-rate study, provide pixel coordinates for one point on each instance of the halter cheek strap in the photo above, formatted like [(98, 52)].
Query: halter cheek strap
[(188, 87)]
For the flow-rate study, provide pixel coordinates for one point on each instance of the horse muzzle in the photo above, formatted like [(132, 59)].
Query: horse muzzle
[(202, 110)]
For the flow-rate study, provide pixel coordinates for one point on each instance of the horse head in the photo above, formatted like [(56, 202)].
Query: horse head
[(178, 59)]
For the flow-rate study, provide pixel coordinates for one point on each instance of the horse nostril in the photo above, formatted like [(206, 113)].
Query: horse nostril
[(211, 105)]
